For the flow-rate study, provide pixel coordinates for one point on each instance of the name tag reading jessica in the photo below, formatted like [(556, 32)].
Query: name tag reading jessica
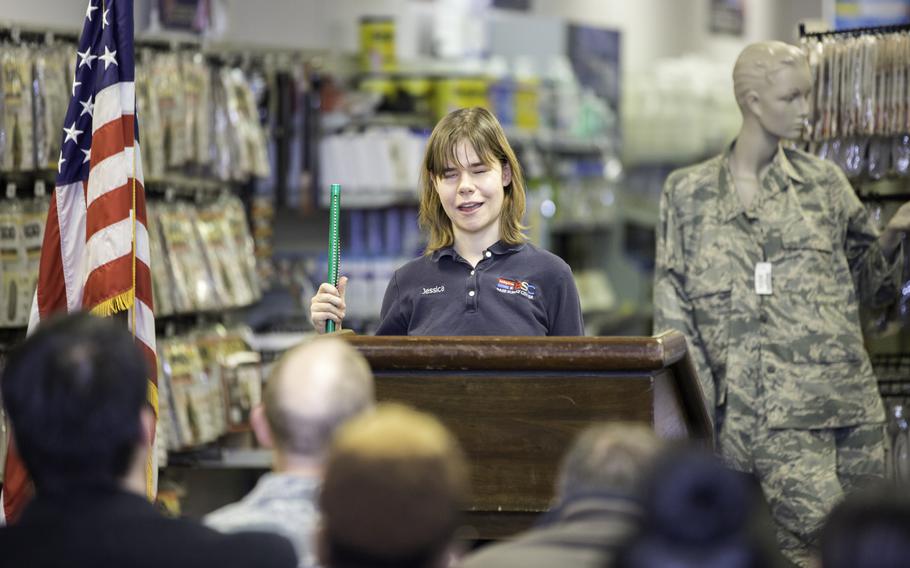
[(763, 279)]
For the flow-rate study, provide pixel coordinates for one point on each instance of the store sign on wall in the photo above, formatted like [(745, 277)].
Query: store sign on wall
[(595, 56), (727, 17), (185, 15), (517, 5), (869, 13)]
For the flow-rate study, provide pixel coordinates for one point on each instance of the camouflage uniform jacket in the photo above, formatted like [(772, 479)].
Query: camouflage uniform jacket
[(803, 342)]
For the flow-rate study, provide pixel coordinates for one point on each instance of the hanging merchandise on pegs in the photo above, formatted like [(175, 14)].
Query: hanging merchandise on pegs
[(17, 133), (11, 261), (51, 92), (859, 115)]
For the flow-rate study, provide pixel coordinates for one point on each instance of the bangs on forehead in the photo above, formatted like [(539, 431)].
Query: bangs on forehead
[(445, 151)]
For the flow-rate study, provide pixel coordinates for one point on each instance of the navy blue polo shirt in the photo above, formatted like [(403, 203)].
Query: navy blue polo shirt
[(513, 290)]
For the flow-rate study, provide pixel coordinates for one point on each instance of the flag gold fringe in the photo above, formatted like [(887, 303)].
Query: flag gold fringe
[(150, 477), (153, 396), (150, 489), (118, 303)]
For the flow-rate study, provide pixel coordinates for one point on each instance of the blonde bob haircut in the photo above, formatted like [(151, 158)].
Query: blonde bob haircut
[(479, 128)]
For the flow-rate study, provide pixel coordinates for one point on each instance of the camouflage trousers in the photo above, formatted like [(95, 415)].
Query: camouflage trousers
[(803, 473)]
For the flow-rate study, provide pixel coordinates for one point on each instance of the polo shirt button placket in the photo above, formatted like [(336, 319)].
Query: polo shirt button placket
[(472, 300)]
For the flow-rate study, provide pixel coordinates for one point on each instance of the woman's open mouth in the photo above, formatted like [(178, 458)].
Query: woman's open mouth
[(469, 207)]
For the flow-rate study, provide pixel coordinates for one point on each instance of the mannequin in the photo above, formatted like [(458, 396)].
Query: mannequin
[(763, 257)]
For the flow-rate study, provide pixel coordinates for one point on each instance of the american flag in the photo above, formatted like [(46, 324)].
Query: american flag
[(95, 255)]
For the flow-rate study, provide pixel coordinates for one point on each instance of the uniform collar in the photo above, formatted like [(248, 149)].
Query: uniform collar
[(498, 248), (781, 171)]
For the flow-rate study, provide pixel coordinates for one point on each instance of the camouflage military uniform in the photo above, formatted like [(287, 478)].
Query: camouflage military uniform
[(797, 402)]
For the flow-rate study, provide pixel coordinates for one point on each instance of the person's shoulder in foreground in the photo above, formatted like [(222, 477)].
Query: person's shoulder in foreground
[(122, 529), (75, 393)]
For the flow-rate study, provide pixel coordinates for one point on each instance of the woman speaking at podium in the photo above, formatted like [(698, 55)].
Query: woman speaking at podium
[(478, 275)]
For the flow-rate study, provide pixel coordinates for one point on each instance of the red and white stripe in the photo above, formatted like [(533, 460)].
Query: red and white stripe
[(87, 255)]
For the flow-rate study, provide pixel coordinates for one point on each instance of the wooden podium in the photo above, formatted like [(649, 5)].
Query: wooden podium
[(516, 404)]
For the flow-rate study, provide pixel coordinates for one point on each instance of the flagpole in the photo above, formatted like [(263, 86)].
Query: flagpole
[(152, 394)]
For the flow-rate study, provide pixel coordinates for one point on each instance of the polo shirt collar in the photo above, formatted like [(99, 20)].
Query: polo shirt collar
[(497, 248)]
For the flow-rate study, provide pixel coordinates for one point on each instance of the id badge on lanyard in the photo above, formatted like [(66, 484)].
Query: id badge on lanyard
[(763, 285)]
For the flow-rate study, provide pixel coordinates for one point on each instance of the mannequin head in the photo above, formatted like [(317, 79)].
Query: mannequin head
[(772, 83)]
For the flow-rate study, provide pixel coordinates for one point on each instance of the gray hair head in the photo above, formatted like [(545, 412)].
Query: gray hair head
[(608, 458)]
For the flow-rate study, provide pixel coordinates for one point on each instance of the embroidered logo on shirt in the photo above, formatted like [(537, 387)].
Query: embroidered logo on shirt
[(507, 286), (434, 290)]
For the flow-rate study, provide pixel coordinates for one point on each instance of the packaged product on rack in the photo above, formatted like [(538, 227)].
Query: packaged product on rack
[(171, 101), (242, 378), (213, 239), (252, 156), (17, 131), (223, 144), (179, 244), (194, 417), (263, 215), (175, 373), (51, 90), (154, 162), (858, 115), (163, 286), (245, 248), (198, 99), (11, 263), (174, 243), (227, 359), (214, 345), (192, 285), (34, 216), (224, 256)]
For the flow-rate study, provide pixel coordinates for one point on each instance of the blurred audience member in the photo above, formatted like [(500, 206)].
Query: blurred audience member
[(869, 529), (75, 393), (395, 483), (598, 504), (701, 515), (314, 389)]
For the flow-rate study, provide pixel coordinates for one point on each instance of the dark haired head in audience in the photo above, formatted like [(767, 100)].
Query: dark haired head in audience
[(395, 483), (75, 392), (870, 528), (701, 514)]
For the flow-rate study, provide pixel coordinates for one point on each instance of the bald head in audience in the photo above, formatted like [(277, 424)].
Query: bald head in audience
[(395, 482), (314, 389)]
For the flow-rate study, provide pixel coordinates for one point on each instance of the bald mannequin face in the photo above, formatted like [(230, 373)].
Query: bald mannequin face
[(773, 84), (782, 106)]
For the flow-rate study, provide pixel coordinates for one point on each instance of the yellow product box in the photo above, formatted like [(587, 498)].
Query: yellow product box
[(527, 105), (377, 43), (452, 93)]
